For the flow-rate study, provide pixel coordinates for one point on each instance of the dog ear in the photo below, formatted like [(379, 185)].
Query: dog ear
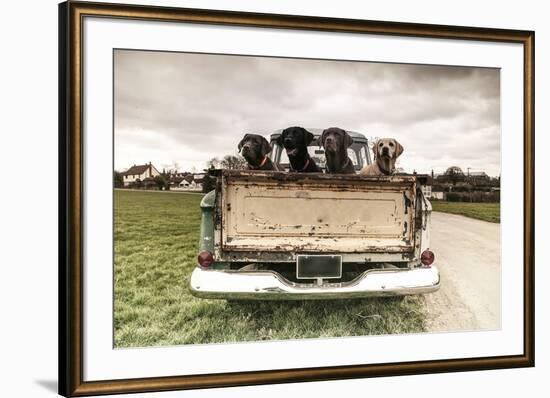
[(266, 147), (322, 138), (375, 149), (347, 139), (308, 137), (241, 143), (398, 148), (280, 139)]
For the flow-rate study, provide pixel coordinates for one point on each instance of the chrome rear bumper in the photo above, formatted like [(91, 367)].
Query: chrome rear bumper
[(269, 285)]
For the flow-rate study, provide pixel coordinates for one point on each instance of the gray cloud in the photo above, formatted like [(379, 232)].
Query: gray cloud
[(189, 108)]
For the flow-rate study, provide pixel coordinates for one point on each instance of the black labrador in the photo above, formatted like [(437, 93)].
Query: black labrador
[(254, 149), (336, 142), (295, 140)]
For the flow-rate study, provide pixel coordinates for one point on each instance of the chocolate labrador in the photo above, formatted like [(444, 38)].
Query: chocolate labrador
[(336, 141), (254, 149), (386, 151), (295, 141)]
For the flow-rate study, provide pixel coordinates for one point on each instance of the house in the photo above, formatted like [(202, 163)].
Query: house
[(478, 174), (427, 191), (192, 182), (188, 182), (439, 195), (139, 173), (198, 179), (478, 177), (430, 193), (452, 175), (175, 181)]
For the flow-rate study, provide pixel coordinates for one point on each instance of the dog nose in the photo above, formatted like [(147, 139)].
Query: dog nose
[(385, 151), (329, 140), (288, 140)]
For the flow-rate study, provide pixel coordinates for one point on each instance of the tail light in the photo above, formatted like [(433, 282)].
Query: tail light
[(427, 257), (205, 259)]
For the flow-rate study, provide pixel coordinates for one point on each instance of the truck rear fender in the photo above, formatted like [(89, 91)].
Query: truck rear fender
[(206, 241), (426, 214)]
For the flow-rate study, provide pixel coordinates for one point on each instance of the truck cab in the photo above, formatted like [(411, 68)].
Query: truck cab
[(358, 152)]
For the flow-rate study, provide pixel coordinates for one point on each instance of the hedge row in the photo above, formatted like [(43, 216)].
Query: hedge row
[(487, 197)]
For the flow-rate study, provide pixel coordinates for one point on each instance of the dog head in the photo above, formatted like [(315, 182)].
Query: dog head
[(295, 140), (386, 151), (254, 148), (335, 139)]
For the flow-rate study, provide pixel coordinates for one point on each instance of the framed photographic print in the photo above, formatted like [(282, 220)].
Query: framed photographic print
[(255, 198)]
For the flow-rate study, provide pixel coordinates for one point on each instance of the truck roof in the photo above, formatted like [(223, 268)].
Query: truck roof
[(317, 133)]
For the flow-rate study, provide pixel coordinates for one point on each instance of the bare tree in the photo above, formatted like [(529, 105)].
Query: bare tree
[(233, 162), (213, 163)]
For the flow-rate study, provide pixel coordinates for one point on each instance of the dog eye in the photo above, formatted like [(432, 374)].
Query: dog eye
[(381, 144), (391, 143)]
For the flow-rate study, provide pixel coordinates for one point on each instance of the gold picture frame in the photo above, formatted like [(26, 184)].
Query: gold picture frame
[(71, 15)]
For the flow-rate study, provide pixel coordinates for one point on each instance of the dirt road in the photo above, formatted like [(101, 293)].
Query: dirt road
[(467, 252)]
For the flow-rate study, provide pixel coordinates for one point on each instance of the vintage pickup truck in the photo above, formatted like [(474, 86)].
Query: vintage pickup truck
[(279, 235)]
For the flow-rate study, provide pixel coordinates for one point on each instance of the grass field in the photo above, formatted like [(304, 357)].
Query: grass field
[(481, 211), (156, 241)]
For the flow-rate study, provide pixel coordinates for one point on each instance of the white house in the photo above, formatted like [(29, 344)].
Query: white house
[(478, 174), (186, 184), (427, 191), (438, 195), (139, 172), (192, 182), (431, 194), (198, 179)]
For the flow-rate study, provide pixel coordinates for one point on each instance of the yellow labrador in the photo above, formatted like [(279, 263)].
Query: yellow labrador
[(386, 151)]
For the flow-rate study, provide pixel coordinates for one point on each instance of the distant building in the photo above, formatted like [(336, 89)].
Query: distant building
[(188, 182), (430, 193), (427, 191), (452, 175), (476, 174), (139, 173), (198, 179), (477, 177), (175, 181)]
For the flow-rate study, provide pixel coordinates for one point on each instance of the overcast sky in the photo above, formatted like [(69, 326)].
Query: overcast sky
[(188, 108)]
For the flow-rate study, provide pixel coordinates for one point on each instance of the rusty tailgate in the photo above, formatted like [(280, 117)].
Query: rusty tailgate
[(281, 212)]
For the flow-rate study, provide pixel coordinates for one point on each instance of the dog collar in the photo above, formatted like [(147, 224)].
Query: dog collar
[(345, 164), (263, 162), (303, 168), (307, 164), (341, 168)]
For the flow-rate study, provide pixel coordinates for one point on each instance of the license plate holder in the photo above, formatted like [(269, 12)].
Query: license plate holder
[(318, 266)]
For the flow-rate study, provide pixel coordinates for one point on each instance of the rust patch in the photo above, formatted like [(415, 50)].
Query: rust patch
[(407, 202)]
